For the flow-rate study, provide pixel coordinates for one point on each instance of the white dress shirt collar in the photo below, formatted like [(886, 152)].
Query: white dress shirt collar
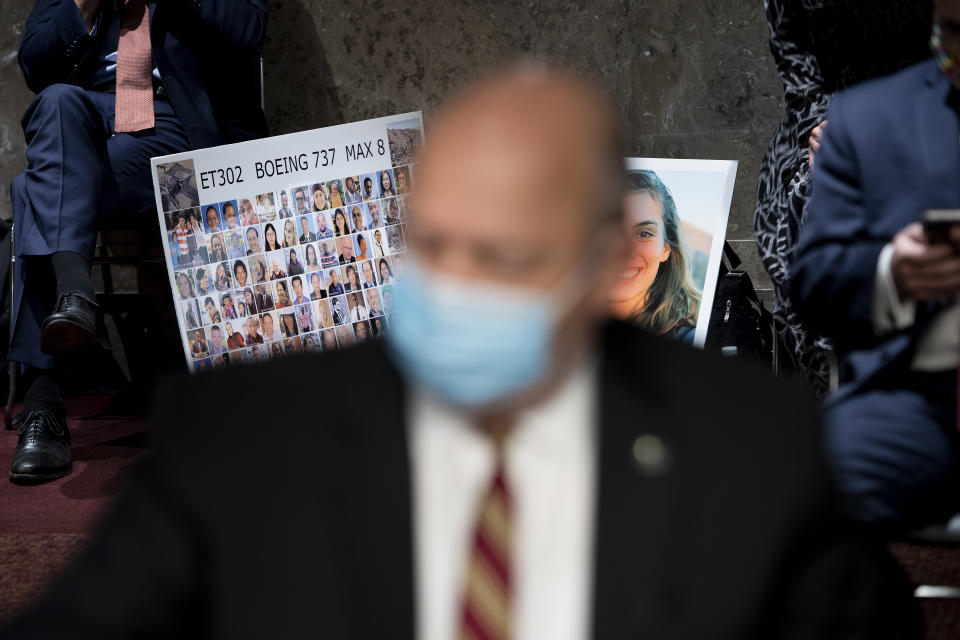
[(551, 471)]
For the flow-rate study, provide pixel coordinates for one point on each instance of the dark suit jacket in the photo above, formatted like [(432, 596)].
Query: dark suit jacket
[(890, 152), (254, 525), (263, 302), (207, 52)]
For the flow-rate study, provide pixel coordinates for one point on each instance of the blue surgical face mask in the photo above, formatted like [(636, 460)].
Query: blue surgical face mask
[(470, 344)]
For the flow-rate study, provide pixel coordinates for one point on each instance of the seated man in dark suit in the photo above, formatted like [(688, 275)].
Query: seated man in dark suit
[(866, 276), (117, 84), (525, 469)]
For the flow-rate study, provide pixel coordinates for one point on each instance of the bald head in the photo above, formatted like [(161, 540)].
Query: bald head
[(520, 171), (544, 124), (519, 187), (946, 13)]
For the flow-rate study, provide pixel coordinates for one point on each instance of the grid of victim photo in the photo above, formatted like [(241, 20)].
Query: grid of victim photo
[(307, 268)]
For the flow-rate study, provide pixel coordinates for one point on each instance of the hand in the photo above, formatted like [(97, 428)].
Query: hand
[(88, 9), (813, 144), (925, 271)]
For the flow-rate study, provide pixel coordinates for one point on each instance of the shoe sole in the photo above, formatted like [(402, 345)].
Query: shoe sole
[(63, 337), (39, 478)]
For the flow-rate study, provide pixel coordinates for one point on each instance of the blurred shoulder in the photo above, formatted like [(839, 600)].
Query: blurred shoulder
[(706, 390), (888, 94), (264, 399), (738, 432)]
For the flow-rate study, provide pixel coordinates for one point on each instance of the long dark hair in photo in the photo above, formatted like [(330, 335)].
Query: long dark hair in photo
[(671, 301), (275, 244)]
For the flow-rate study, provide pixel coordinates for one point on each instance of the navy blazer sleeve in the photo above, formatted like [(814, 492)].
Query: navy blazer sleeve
[(833, 273), (56, 39), (54, 43)]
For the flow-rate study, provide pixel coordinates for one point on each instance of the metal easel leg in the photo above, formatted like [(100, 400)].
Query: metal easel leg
[(13, 369)]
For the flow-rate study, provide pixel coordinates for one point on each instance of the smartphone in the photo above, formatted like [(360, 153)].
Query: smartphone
[(937, 223)]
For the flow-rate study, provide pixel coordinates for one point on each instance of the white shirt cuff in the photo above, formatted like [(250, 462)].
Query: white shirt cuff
[(890, 313)]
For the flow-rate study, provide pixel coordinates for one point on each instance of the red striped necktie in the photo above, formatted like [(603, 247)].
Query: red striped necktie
[(134, 106), (487, 606)]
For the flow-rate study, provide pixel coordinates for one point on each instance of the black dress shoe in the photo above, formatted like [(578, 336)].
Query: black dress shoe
[(71, 326), (43, 450)]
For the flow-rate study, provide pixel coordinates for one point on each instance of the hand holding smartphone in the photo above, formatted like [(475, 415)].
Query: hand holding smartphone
[(937, 224), (925, 263)]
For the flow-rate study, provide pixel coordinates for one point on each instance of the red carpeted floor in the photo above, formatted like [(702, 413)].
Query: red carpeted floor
[(42, 526)]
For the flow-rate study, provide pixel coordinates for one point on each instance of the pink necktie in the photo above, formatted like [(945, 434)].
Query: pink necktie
[(134, 70)]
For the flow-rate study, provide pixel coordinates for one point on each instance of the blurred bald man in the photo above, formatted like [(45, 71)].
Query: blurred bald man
[(526, 470)]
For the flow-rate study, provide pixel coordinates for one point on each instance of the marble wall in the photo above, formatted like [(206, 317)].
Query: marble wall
[(695, 79)]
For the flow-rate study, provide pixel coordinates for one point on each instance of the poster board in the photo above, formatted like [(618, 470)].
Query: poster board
[(286, 244), (700, 193)]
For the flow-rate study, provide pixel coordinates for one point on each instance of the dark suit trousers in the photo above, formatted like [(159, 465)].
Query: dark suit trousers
[(895, 451), (78, 174)]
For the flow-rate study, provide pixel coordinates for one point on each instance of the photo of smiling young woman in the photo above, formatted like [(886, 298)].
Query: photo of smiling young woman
[(654, 291), (240, 273), (319, 197), (340, 225), (217, 251)]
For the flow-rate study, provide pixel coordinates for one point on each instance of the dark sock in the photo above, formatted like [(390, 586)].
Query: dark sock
[(72, 272), (43, 391)]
